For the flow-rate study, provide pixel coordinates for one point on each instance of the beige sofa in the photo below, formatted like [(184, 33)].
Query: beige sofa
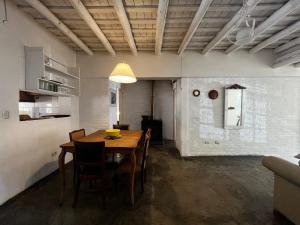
[(286, 187)]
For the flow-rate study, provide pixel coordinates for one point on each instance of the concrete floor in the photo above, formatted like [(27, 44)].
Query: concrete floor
[(194, 191)]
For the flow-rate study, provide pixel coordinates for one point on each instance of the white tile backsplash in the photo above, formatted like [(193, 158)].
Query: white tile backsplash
[(45, 105)]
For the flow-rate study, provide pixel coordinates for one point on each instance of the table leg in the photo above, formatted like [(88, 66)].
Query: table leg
[(132, 177), (61, 164)]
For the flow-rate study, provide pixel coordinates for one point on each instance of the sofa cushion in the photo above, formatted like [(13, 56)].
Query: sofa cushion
[(283, 168)]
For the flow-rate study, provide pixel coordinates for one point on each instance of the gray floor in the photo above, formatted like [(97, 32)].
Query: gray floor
[(195, 191)]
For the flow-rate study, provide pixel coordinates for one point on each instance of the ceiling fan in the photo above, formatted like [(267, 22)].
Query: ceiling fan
[(242, 35)]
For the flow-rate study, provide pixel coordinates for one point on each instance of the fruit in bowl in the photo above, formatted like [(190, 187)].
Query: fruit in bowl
[(112, 133)]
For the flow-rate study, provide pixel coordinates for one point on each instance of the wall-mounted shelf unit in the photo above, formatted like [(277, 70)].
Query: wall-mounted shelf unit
[(45, 75)]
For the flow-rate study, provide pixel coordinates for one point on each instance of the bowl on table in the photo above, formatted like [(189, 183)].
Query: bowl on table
[(112, 133)]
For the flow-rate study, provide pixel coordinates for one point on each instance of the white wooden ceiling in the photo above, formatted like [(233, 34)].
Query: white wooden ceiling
[(142, 18)]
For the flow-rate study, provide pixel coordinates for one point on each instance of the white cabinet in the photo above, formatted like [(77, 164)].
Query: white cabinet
[(45, 75)]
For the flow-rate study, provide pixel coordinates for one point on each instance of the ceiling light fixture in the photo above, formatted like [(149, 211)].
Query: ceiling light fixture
[(122, 73), (243, 35)]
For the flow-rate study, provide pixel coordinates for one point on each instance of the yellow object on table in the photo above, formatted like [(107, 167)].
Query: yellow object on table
[(112, 132)]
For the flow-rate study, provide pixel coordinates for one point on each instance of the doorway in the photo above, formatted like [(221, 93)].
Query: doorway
[(136, 101)]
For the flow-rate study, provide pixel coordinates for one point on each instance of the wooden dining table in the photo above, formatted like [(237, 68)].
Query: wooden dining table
[(125, 144)]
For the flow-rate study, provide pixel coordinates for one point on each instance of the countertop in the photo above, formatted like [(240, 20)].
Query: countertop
[(27, 117)]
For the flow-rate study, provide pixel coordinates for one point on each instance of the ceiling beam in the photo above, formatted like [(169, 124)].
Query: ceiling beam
[(293, 52), (288, 61), (85, 15), (229, 26), (235, 7), (203, 7), (121, 13), (288, 51), (160, 24), (96, 9), (287, 31), (102, 21), (153, 8), (276, 17), (42, 9), (288, 45)]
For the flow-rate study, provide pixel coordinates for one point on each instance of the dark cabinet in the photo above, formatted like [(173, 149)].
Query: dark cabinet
[(156, 126)]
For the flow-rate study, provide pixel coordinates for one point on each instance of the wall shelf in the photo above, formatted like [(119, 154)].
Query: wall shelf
[(60, 72), (58, 84), (42, 91), (45, 75)]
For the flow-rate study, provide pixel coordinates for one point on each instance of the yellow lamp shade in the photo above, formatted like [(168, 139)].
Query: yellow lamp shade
[(122, 73)]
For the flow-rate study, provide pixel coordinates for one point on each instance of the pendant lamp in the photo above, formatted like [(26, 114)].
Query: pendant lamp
[(122, 73)]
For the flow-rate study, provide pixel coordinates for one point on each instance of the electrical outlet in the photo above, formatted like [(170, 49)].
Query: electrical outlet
[(5, 114), (217, 142), (53, 154)]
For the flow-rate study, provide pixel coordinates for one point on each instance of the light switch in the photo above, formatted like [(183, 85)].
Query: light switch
[(5, 114)]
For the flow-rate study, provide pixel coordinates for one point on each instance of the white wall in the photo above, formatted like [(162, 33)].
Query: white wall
[(26, 147), (191, 64), (272, 118), (164, 106), (113, 110), (135, 101), (181, 116), (96, 112), (94, 107), (177, 114)]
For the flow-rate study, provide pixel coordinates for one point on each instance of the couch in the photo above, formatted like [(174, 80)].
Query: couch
[(286, 187)]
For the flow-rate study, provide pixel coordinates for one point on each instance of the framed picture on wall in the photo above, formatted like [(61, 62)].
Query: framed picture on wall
[(113, 97)]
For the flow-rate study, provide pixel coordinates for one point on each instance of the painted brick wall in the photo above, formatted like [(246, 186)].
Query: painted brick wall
[(94, 104), (272, 118)]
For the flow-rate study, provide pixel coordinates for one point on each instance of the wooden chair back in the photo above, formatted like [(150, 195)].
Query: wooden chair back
[(145, 148), (89, 160), (121, 126), (77, 134), (89, 154)]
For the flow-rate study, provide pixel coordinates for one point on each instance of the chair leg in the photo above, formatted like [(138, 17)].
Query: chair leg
[(142, 181), (145, 175), (76, 193), (116, 183), (104, 200), (74, 172)]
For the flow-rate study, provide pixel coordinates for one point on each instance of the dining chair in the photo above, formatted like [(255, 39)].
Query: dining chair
[(90, 166), (145, 155), (121, 126), (75, 135), (141, 159)]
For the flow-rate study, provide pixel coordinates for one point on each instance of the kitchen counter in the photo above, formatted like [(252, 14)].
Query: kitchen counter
[(27, 117)]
